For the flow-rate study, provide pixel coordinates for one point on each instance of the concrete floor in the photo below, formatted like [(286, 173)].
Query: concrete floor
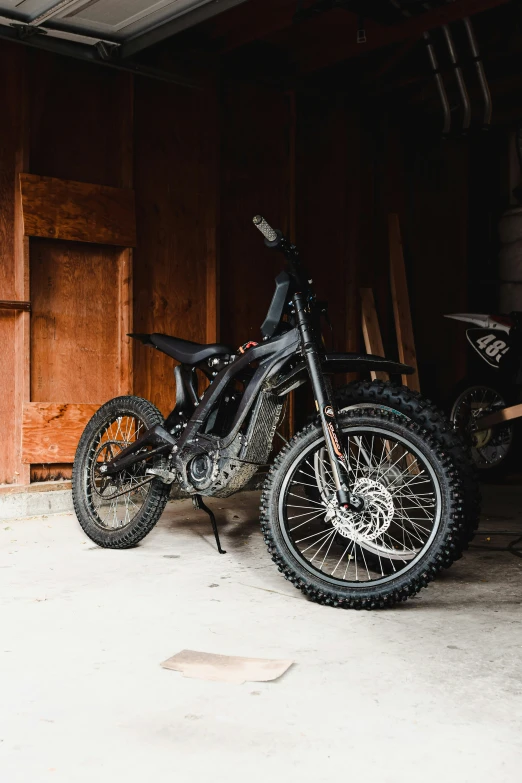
[(428, 691)]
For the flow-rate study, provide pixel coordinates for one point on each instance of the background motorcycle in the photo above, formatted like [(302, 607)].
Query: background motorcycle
[(492, 383), (362, 508)]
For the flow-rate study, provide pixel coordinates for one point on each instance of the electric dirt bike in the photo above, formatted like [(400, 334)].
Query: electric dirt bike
[(361, 508)]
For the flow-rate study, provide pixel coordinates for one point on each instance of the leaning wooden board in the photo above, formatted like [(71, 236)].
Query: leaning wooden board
[(371, 330), (51, 430), (401, 303)]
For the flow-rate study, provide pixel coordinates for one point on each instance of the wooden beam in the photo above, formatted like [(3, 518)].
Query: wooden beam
[(125, 308), (401, 303), (126, 259), (51, 430), (341, 42), (212, 221), (499, 417), (79, 211), (252, 21), (292, 215), (22, 277), (371, 330)]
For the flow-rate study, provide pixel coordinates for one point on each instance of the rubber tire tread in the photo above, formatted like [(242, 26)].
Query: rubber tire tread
[(158, 495), (383, 595), (435, 424)]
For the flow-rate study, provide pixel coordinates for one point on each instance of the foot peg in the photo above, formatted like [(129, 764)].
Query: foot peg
[(197, 501), (167, 476)]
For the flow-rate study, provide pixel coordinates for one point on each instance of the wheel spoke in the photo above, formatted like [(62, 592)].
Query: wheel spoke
[(117, 500), (401, 509)]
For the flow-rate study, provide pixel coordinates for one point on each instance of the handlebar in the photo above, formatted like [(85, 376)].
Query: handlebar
[(276, 240), (265, 228)]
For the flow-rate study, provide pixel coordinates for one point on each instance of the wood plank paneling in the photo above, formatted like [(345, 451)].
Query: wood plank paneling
[(81, 130), (175, 183), (51, 431), (79, 211), (435, 239), (256, 123), (76, 113), (328, 208), (75, 322), (14, 282)]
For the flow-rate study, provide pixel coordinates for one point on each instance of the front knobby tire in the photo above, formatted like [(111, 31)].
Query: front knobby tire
[(414, 407), (367, 579), (120, 513)]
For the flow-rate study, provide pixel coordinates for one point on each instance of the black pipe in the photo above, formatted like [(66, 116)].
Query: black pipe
[(439, 81), (466, 106), (440, 84), (488, 106)]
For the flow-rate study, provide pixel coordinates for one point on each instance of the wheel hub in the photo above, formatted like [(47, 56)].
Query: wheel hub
[(372, 521)]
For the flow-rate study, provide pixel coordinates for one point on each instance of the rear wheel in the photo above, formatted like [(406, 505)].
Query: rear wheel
[(408, 529), (117, 511), (492, 450)]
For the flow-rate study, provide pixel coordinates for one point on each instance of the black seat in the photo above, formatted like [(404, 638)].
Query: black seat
[(183, 351)]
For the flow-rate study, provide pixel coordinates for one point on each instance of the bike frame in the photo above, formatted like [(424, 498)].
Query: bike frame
[(284, 362)]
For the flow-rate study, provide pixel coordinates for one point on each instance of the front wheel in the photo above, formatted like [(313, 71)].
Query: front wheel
[(407, 531), (412, 406), (116, 512)]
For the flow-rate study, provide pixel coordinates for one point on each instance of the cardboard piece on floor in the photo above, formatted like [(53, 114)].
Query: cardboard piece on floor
[(225, 668)]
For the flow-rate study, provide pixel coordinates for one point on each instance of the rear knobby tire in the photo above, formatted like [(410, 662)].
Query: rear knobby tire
[(157, 493), (440, 551), (434, 423)]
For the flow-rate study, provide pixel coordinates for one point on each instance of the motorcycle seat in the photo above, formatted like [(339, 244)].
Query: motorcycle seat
[(184, 351)]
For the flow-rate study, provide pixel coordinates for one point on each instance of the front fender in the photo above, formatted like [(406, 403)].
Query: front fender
[(285, 380), (356, 362)]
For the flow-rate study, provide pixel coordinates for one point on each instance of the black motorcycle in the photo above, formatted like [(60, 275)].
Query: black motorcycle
[(361, 508)]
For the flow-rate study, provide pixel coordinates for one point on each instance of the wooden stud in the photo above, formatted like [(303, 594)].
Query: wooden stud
[(125, 261), (22, 284), (212, 224), (401, 303), (292, 221), (371, 330), (125, 320), (352, 140)]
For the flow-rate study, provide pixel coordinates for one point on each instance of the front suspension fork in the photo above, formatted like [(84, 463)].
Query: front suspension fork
[(325, 406)]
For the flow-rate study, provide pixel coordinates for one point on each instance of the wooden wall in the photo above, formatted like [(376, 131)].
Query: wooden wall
[(328, 208), (14, 286), (256, 178), (105, 128), (176, 181), (201, 163)]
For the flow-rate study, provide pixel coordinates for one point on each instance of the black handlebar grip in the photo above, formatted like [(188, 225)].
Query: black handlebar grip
[(266, 229)]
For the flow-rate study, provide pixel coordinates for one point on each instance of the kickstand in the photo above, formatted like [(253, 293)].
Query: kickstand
[(197, 501)]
